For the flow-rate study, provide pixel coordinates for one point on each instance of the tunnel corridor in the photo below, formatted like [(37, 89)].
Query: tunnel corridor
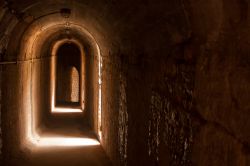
[(124, 83)]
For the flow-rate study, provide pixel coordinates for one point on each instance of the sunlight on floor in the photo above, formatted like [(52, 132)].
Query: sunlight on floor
[(66, 110), (65, 141), (50, 141)]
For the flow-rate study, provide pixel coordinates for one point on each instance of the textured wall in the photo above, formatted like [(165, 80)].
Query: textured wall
[(148, 82), (0, 112), (170, 127), (123, 120), (110, 106), (222, 86), (10, 115), (186, 84)]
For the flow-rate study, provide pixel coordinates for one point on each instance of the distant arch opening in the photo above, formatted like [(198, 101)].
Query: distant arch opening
[(68, 79)]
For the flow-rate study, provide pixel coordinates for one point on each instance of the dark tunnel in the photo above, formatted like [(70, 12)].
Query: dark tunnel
[(124, 83)]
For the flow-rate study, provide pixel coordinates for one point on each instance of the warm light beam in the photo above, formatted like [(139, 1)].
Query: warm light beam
[(63, 141), (66, 110)]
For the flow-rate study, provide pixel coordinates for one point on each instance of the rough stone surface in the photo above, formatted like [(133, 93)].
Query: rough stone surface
[(216, 147), (170, 123), (123, 121), (1, 114)]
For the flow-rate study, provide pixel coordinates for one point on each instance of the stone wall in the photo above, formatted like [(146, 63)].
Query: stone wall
[(171, 127), (0, 112), (187, 86)]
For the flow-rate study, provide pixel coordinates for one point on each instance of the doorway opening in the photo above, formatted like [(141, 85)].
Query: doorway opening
[(68, 79)]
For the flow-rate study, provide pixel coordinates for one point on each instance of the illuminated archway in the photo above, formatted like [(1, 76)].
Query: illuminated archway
[(67, 79), (34, 45)]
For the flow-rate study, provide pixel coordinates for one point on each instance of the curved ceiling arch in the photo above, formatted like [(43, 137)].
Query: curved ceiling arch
[(34, 22), (33, 45)]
